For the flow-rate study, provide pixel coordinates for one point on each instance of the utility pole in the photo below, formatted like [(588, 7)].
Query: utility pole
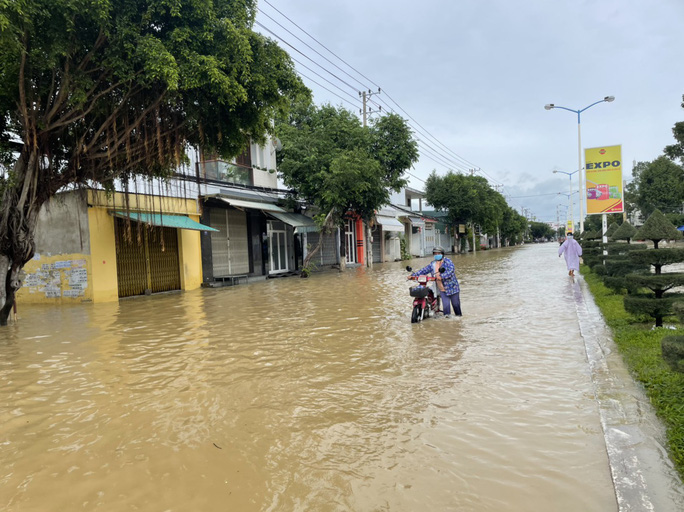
[(365, 95)]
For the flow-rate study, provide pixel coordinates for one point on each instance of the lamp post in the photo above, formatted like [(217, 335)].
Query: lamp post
[(550, 106), (572, 206)]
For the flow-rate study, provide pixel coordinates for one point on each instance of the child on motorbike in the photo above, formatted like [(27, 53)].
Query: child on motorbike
[(444, 272)]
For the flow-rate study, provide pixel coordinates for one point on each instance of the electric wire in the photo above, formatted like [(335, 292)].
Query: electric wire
[(424, 131), (355, 98), (300, 52), (465, 163), (324, 87), (321, 44), (451, 160)]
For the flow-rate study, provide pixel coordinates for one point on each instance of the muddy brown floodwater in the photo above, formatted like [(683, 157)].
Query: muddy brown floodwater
[(308, 395)]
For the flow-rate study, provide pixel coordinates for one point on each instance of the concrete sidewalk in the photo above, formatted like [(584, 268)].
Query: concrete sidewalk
[(642, 473)]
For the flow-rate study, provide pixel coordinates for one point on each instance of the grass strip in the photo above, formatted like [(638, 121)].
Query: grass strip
[(639, 345)]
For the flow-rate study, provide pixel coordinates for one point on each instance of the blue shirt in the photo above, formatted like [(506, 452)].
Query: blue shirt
[(449, 280)]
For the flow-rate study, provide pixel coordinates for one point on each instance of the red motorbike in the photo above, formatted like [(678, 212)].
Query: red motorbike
[(424, 299)]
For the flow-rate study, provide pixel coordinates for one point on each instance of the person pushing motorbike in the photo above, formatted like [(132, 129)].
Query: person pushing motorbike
[(444, 272)]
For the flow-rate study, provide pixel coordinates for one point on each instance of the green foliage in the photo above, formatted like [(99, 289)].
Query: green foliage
[(648, 305), (676, 151), (631, 190), (622, 249), (405, 255), (470, 199), (615, 267), (673, 352), (625, 232), (611, 229), (658, 258), (678, 309), (540, 230), (641, 350), (657, 228), (657, 283), (336, 164), (660, 186), (110, 88), (618, 284), (595, 222)]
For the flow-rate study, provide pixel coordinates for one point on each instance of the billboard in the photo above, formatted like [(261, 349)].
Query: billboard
[(604, 179)]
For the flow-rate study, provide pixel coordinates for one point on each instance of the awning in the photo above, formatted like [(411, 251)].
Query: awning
[(389, 223), (241, 203), (301, 223), (168, 221), (417, 221)]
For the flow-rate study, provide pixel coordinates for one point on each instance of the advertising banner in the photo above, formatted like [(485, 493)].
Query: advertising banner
[(604, 179), (569, 228)]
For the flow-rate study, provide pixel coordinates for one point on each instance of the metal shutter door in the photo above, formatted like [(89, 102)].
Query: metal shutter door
[(238, 243)]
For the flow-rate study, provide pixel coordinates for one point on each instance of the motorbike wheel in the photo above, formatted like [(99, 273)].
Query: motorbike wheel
[(417, 314), (426, 312)]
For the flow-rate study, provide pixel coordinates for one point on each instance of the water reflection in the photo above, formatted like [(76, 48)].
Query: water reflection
[(314, 394)]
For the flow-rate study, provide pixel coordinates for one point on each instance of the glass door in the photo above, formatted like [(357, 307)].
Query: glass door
[(277, 247), (350, 241)]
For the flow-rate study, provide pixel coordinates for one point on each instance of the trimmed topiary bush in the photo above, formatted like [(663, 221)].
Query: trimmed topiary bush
[(646, 304), (658, 258), (657, 228), (658, 305), (625, 232), (612, 229)]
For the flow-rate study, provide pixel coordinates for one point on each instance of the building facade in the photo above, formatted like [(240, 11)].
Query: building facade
[(93, 246)]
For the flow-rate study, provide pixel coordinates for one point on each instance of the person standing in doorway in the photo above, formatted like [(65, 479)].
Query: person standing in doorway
[(444, 272), (572, 251)]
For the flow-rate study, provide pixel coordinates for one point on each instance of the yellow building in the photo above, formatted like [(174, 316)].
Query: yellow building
[(93, 246)]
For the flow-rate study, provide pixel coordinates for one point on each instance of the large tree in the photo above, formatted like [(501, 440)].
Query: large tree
[(470, 199), (676, 151), (333, 162), (661, 186), (97, 90)]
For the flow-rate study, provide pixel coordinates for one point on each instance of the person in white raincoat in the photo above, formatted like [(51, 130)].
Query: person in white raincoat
[(572, 251)]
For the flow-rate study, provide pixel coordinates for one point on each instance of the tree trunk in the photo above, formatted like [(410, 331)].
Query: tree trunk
[(327, 225), (369, 246), (21, 203), (343, 251), (312, 253)]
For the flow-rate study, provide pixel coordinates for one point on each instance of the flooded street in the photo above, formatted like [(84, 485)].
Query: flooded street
[(309, 395)]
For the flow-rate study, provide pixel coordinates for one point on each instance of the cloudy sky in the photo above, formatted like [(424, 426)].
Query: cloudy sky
[(472, 78)]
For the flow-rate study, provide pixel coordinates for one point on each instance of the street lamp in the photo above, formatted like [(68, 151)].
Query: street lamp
[(550, 106), (572, 206)]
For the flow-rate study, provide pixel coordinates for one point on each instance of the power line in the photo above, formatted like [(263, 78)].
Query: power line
[(327, 49), (302, 53), (324, 87), (424, 131), (313, 49), (451, 157), (323, 78)]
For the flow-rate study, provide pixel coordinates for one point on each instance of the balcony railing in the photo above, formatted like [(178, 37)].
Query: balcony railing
[(221, 170)]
